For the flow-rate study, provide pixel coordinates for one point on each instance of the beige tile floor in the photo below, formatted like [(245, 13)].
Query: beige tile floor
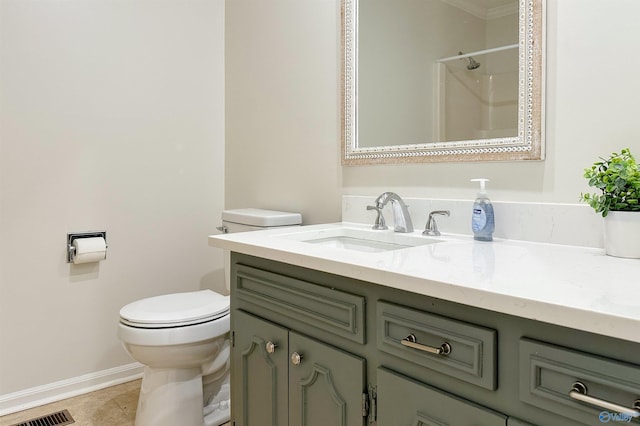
[(113, 406)]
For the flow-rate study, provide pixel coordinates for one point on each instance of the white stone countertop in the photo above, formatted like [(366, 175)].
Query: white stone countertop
[(576, 287)]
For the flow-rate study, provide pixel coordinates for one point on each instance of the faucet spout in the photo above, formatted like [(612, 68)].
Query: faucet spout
[(401, 218)]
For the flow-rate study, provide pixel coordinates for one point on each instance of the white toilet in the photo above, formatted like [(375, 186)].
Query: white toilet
[(182, 340)]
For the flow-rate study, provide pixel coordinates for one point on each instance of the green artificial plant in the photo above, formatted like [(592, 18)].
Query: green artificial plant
[(618, 179)]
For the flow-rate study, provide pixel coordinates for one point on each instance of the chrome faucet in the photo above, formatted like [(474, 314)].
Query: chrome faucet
[(379, 224), (431, 228), (401, 218)]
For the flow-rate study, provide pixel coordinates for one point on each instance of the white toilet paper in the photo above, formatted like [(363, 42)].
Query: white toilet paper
[(88, 250)]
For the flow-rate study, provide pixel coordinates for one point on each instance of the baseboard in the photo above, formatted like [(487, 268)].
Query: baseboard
[(52, 392)]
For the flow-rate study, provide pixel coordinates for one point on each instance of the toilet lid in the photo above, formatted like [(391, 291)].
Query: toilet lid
[(175, 310)]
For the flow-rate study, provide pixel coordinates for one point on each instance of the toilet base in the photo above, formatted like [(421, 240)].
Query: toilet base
[(176, 396), (218, 417), (218, 412), (170, 397)]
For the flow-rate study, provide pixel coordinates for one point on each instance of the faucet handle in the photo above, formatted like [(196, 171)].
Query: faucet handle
[(431, 228), (379, 224)]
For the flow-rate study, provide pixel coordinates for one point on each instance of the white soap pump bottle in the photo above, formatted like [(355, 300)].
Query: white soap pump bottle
[(482, 218)]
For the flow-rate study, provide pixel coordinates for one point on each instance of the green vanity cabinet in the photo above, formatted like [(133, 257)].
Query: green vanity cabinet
[(372, 355), (282, 372), (288, 378), (406, 402), (512, 421)]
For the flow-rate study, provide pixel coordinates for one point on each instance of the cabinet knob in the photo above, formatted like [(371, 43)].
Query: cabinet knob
[(296, 358), (270, 347)]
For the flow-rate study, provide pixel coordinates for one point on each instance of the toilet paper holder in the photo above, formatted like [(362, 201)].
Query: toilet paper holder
[(75, 235)]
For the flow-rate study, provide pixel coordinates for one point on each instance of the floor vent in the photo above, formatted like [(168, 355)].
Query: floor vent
[(56, 419)]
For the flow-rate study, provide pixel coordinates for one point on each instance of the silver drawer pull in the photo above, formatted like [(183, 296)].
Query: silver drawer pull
[(579, 392), (411, 341)]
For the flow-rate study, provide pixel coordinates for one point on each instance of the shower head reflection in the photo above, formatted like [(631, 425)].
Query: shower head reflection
[(473, 64)]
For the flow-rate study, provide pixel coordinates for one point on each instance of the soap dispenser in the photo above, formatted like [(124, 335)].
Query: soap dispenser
[(482, 219)]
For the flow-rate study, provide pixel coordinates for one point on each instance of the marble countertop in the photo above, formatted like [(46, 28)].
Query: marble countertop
[(571, 286)]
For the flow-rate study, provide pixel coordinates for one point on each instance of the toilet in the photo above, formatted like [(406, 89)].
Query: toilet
[(182, 339)]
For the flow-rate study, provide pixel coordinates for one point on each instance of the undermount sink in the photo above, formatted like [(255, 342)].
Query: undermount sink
[(364, 240), (359, 244)]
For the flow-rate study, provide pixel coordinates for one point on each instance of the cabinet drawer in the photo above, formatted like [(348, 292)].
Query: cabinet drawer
[(472, 356), (548, 373), (328, 309), (405, 402)]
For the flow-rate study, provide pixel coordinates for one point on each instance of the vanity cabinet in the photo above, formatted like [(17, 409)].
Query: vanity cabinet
[(403, 401), (288, 378), (374, 355), (284, 377)]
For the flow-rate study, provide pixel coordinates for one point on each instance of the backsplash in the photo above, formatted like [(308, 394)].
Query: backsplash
[(568, 224)]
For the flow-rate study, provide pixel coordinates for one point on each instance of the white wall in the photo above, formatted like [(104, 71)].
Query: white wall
[(112, 119), (591, 109), (282, 122)]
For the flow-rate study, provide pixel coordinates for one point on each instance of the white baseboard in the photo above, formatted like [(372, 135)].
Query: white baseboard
[(52, 392)]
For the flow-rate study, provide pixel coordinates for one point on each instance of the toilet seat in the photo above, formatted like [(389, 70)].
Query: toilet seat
[(175, 310)]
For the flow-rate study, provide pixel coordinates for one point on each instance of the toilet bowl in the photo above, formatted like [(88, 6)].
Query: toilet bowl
[(182, 339)]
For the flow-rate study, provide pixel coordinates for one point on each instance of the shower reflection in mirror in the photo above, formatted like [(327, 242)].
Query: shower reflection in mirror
[(476, 100)]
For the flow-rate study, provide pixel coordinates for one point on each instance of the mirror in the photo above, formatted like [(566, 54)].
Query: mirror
[(442, 80)]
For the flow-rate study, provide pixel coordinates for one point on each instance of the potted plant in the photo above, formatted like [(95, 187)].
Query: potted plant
[(618, 179)]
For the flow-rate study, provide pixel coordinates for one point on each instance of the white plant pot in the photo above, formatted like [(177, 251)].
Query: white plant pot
[(622, 234)]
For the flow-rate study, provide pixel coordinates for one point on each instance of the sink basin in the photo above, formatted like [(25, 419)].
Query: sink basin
[(351, 243), (364, 240)]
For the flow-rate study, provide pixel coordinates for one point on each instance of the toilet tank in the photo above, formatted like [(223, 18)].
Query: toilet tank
[(242, 220)]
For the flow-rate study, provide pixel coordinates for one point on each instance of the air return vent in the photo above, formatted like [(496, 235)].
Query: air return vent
[(56, 419)]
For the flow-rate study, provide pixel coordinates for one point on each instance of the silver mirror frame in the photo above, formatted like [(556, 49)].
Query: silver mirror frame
[(527, 145)]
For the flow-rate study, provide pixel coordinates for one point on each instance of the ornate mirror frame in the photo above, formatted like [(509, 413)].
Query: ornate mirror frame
[(527, 145)]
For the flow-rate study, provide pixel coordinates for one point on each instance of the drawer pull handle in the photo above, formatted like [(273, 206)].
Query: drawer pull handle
[(411, 341), (579, 392)]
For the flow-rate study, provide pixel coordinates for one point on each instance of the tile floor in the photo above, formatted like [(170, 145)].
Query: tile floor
[(113, 406)]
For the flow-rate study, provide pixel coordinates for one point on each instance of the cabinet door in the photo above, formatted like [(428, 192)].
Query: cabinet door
[(326, 386), (259, 372), (405, 402)]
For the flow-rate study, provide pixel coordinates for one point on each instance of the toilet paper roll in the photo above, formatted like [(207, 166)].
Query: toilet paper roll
[(88, 250)]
